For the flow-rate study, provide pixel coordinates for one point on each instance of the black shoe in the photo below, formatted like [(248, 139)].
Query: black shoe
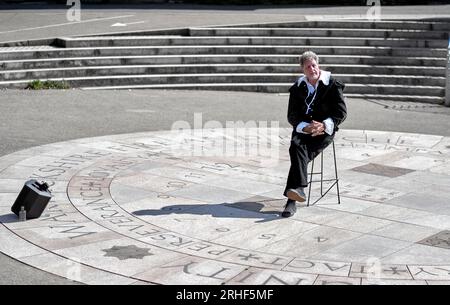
[(296, 194), (289, 208)]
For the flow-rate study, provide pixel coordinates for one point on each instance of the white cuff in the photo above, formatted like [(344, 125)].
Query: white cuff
[(300, 127), (329, 126)]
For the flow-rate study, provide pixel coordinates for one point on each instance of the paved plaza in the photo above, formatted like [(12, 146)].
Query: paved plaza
[(138, 201), (170, 208)]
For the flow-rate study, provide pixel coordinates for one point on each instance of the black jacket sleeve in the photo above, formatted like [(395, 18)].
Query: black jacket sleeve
[(338, 112), (296, 108), (293, 111)]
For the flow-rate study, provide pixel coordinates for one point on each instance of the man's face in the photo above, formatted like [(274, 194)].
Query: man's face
[(311, 69)]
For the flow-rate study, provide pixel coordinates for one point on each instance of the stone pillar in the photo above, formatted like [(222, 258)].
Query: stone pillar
[(447, 78)]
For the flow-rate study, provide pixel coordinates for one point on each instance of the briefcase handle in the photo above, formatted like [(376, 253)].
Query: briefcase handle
[(42, 186)]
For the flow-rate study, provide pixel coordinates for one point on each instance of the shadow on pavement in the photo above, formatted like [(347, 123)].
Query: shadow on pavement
[(216, 210)]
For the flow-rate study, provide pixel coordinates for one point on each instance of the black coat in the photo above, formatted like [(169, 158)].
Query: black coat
[(328, 103)]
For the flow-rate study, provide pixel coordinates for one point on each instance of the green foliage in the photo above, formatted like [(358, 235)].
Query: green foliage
[(48, 84)]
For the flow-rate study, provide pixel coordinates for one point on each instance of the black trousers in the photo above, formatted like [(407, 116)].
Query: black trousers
[(304, 148)]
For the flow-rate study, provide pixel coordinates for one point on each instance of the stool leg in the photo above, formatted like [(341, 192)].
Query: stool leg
[(321, 174), (336, 174), (310, 181)]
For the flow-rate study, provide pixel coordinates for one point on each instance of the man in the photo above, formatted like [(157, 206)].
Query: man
[(316, 108)]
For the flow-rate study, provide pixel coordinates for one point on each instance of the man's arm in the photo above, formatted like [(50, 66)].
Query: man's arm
[(338, 111), (293, 115)]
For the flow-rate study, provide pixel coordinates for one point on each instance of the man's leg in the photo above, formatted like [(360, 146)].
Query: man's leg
[(303, 149), (299, 165), (318, 145)]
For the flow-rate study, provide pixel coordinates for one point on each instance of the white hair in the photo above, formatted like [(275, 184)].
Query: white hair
[(308, 55)]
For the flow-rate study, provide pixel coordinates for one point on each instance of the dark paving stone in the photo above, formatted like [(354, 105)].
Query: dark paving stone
[(439, 240), (382, 170)]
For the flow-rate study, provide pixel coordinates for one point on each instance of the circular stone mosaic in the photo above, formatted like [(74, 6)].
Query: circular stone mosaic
[(203, 207)]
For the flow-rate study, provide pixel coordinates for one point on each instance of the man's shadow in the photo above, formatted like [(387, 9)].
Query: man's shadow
[(243, 209), (239, 210)]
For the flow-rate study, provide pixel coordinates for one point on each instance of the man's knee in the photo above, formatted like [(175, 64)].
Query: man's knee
[(298, 149)]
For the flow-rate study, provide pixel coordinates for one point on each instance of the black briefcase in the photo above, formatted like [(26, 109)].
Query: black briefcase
[(34, 197)]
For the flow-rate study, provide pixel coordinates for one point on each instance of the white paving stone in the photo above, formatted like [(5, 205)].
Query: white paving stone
[(361, 178), (207, 222), (210, 194), (358, 153), (192, 271), (351, 205), (94, 254), (160, 204), (18, 172), (259, 236), (17, 247), (207, 250), (317, 214), (256, 276), (372, 271), (395, 213), (75, 271), (11, 185), (443, 168), (59, 236), (126, 194), (182, 174), (244, 185), (363, 248), (417, 162), (311, 243), (431, 273), (11, 159), (153, 183), (405, 232), (319, 267), (7, 199), (418, 254), (359, 223)]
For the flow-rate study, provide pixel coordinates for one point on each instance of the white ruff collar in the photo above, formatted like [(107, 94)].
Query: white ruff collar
[(324, 77)]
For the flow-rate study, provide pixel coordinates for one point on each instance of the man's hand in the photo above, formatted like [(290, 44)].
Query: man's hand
[(315, 128)]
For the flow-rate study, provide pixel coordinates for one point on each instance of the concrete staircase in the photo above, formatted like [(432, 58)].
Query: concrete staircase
[(396, 60)]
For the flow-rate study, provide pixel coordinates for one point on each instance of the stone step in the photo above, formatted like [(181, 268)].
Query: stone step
[(319, 32), (397, 90), (358, 24), (218, 59), (426, 74), (279, 88), (404, 98), (361, 84), (252, 87), (117, 41), (223, 50)]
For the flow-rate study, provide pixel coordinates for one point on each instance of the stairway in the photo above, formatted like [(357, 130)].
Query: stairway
[(395, 60)]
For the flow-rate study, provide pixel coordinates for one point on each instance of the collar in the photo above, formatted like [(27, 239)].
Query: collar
[(324, 77)]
